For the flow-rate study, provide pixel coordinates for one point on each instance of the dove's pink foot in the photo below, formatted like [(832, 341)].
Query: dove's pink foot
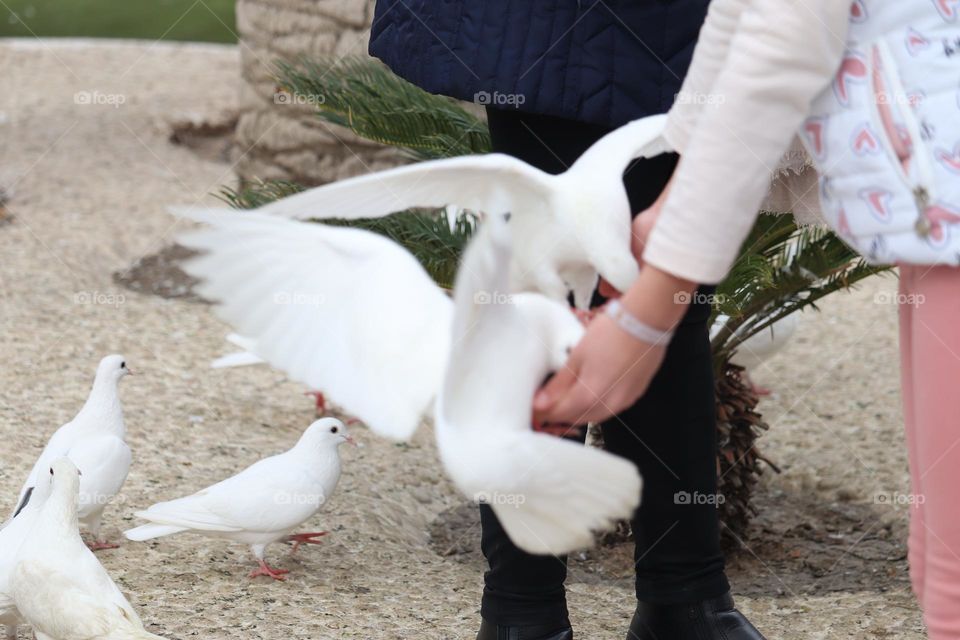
[(100, 545), (759, 390), (304, 538), (270, 572), (321, 407)]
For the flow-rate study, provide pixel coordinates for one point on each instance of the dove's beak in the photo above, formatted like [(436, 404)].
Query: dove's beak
[(351, 441)]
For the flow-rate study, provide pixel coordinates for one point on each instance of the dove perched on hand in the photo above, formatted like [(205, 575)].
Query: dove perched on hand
[(262, 504), (58, 585), (94, 441), (567, 228), (383, 341)]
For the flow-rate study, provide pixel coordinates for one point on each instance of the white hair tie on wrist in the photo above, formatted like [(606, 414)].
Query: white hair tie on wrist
[(632, 325)]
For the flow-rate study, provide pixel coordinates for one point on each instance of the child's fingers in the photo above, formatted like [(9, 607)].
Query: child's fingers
[(607, 290), (555, 389), (573, 407)]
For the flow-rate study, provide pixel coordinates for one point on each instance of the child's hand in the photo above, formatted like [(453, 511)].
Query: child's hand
[(606, 373), (610, 368)]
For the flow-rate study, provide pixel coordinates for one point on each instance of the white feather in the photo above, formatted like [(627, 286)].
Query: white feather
[(338, 309)]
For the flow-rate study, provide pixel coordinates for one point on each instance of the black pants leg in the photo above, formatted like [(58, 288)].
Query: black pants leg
[(670, 433)]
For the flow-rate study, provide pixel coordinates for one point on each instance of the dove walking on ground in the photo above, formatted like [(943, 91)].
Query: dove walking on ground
[(12, 535), (760, 347), (381, 339), (567, 227), (262, 504), (58, 585), (94, 441)]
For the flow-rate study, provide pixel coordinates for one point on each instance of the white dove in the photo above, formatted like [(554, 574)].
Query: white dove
[(549, 494), (58, 585), (759, 347), (94, 441), (353, 313), (12, 535), (262, 504), (567, 227)]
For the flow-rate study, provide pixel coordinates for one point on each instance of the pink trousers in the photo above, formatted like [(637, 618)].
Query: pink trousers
[(930, 362)]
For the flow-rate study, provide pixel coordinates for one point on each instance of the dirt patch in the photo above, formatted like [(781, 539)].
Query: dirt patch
[(801, 544), (211, 139), (795, 546), (160, 274)]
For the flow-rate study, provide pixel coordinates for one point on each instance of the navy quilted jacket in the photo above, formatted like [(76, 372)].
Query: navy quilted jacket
[(599, 61)]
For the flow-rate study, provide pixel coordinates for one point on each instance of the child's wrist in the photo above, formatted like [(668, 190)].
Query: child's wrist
[(658, 299)]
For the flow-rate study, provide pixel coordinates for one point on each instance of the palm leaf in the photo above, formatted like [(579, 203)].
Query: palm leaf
[(364, 96), (782, 269), (256, 194)]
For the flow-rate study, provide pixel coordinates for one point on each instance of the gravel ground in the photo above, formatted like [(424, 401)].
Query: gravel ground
[(86, 166)]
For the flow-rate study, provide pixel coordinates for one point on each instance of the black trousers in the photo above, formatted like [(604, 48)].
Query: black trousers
[(669, 434)]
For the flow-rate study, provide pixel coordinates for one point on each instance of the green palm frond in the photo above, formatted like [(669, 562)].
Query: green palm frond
[(428, 235), (256, 194), (367, 98), (782, 269)]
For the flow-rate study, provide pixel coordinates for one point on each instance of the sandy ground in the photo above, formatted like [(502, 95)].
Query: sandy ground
[(88, 175)]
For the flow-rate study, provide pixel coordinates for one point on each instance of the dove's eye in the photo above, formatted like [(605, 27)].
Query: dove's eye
[(51, 470), (333, 429), (123, 365)]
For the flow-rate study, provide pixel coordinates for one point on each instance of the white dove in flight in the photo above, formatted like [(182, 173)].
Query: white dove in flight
[(567, 228), (353, 313)]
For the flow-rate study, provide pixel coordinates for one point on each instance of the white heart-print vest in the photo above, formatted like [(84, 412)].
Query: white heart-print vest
[(885, 136)]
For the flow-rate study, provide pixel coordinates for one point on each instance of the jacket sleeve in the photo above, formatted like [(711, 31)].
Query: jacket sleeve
[(709, 57), (783, 54)]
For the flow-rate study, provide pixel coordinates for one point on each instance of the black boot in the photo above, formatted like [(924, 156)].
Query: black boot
[(714, 619), (561, 631)]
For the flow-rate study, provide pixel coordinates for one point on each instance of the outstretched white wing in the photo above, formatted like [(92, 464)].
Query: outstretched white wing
[(640, 138), (492, 183), (342, 310)]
